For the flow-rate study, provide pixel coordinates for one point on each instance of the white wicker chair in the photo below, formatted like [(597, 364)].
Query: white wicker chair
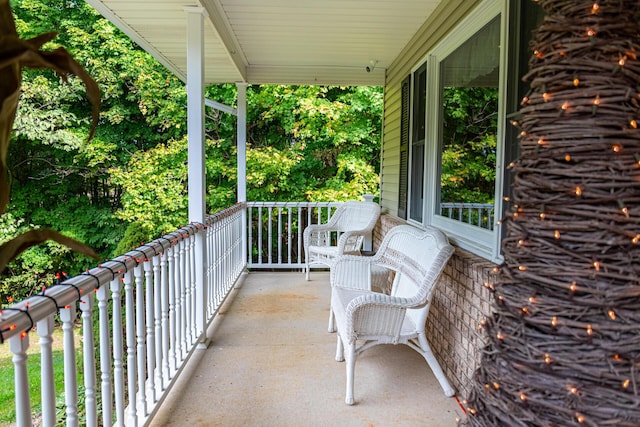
[(369, 318), (352, 220)]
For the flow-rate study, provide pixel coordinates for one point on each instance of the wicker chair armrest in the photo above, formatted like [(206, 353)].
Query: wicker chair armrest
[(381, 300), (352, 271), (376, 314), (317, 228), (314, 234), (351, 241)]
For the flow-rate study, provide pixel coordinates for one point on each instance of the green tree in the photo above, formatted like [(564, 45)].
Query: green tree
[(469, 144), (155, 197), (327, 129), (59, 180), (304, 143)]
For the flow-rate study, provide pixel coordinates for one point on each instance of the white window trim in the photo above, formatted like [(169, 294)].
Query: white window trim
[(484, 243)]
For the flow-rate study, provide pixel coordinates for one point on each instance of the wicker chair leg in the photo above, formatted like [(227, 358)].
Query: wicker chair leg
[(435, 366), (339, 350), (351, 367), (332, 323), (307, 272)]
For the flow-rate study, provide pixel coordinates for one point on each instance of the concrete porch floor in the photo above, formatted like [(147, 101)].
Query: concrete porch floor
[(271, 362)]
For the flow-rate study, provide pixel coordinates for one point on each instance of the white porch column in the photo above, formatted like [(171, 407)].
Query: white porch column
[(196, 158), (242, 141), (242, 158)]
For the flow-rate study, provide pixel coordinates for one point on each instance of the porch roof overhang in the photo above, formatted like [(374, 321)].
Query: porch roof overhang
[(329, 42)]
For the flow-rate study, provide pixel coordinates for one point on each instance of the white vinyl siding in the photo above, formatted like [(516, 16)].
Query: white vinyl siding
[(441, 22)]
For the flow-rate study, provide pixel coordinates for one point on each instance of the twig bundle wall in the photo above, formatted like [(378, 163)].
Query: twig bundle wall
[(564, 339)]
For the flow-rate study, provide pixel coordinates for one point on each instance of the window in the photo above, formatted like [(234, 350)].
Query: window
[(418, 119), (458, 135), (468, 120), (464, 104)]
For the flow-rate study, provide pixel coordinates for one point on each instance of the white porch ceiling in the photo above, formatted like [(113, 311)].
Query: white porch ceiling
[(276, 41)]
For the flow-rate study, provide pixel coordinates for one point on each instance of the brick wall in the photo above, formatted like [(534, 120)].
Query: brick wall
[(460, 303)]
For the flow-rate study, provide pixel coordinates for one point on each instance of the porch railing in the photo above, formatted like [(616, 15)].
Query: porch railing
[(143, 331), (275, 231), (139, 313), (479, 214)]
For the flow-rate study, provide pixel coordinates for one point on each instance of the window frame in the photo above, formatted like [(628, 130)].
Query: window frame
[(482, 242), (411, 187)]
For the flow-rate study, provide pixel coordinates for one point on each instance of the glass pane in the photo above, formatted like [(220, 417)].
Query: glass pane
[(417, 182), (417, 143), (468, 128)]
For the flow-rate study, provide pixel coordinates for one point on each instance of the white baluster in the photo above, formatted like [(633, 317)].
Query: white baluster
[(179, 300), (140, 341), (184, 285), (68, 316), (48, 393), (157, 319), (217, 270), (198, 253), (195, 300), (223, 256), (279, 237), (211, 291), (233, 247), (260, 235), (270, 237), (218, 261), (89, 360), (228, 236), (132, 369), (213, 268), (118, 351), (18, 344), (191, 292), (222, 265), (250, 235), (193, 323), (289, 235), (106, 381), (166, 337), (150, 331), (300, 231), (188, 305), (228, 245), (172, 260), (240, 249), (229, 231)]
